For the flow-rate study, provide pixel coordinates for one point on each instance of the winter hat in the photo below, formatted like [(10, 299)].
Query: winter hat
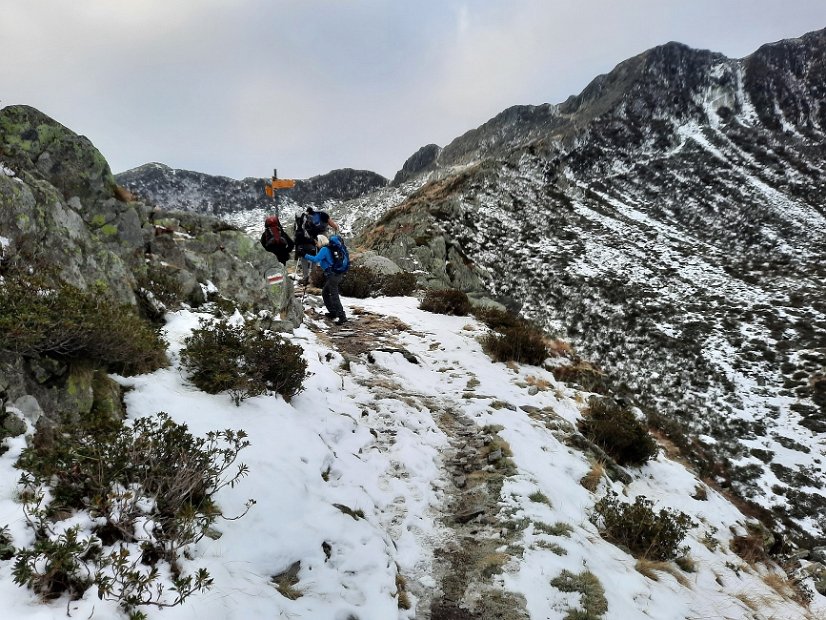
[(322, 240)]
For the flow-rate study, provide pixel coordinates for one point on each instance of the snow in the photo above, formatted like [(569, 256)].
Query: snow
[(371, 429)]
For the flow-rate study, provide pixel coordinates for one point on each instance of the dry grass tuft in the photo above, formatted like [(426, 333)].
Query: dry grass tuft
[(781, 584), (123, 194), (401, 589), (650, 568), (559, 348), (541, 384), (591, 480)]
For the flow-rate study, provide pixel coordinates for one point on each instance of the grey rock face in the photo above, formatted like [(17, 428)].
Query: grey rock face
[(59, 217), (29, 408), (422, 160)]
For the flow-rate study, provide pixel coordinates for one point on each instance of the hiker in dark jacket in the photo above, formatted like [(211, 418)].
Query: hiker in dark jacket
[(329, 292), (308, 226), (276, 240)]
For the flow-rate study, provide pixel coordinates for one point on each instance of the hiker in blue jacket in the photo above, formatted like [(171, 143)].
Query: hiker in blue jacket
[(329, 292)]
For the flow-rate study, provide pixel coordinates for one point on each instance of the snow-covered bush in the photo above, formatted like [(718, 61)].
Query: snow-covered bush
[(645, 533), (149, 492), (446, 301), (618, 432), (244, 360)]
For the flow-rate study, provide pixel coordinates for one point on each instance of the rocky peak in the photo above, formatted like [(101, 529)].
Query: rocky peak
[(787, 83), (420, 161), (33, 142), (663, 81)]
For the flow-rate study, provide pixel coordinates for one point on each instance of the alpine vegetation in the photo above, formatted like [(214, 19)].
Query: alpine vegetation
[(148, 492), (242, 360)]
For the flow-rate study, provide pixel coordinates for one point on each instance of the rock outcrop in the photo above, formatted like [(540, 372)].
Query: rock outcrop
[(63, 217)]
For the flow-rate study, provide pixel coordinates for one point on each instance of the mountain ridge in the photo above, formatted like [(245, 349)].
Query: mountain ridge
[(676, 234)]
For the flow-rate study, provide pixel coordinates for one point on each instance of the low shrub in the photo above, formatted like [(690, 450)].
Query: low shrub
[(585, 375), (243, 360), (446, 301), (149, 488), (498, 319), (645, 533), (6, 546), (400, 284), (361, 282), (618, 432), (522, 343), (64, 321), (163, 285)]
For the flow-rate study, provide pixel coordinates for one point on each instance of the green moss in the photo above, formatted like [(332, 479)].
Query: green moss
[(79, 387), (98, 220), (109, 230)]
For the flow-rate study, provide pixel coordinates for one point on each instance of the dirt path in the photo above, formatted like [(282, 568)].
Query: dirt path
[(478, 541)]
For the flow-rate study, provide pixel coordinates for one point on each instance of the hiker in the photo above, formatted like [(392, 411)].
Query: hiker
[(308, 226), (329, 292), (276, 240)]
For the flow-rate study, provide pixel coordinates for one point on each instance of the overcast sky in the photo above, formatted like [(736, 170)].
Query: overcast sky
[(238, 87)]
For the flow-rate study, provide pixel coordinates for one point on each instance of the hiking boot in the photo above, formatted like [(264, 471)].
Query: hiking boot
[(340, 320), (330, 315)]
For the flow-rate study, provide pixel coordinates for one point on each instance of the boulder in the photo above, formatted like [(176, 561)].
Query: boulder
[(29, 408), (69, 162), (381, 265)]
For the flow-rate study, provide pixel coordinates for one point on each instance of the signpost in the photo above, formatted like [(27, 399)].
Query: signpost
[(275, 277), (275, 184)]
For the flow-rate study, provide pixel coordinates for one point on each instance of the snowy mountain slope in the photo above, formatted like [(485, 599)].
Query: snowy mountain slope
[(394, 406), (670, 220)]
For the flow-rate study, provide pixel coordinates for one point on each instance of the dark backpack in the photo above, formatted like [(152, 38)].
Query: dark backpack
[(274, 239), (341, 257), (315, 223)]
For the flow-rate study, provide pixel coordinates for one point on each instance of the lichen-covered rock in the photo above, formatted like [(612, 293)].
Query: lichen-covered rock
[(107, 396), (66, 160)]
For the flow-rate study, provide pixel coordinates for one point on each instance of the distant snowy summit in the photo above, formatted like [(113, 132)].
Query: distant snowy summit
[(187, 190)]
